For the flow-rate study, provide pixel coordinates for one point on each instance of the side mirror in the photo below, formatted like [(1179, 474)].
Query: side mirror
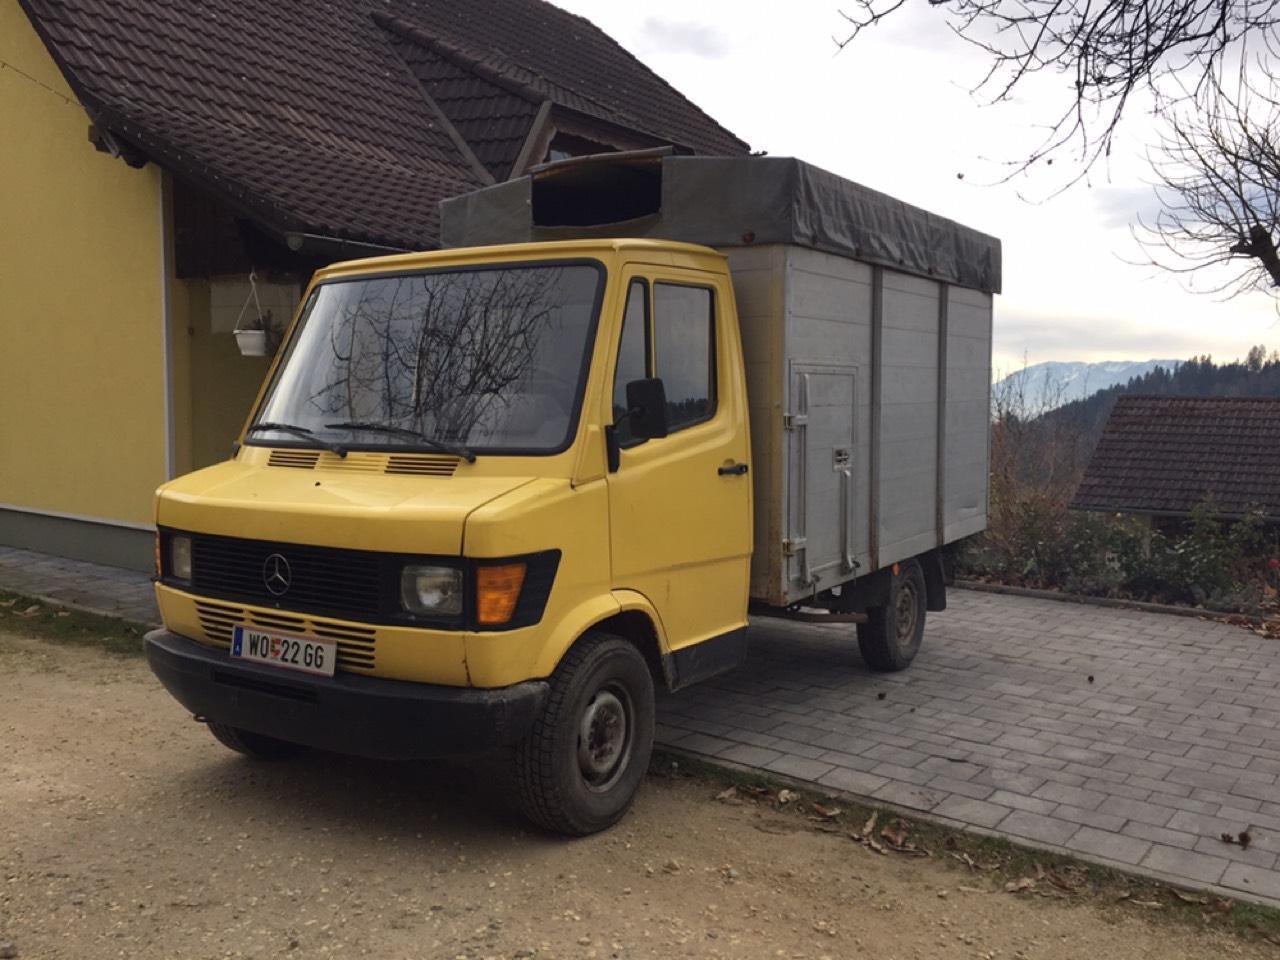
[(647, 409)]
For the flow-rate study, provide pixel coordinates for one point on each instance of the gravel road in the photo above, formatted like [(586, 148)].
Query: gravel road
[(126, 831)]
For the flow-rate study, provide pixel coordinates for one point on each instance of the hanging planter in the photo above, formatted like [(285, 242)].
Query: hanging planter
[(252, 343), (258, 337)]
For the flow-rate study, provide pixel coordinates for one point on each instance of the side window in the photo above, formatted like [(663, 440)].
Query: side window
[(684, 348), (633, 353)]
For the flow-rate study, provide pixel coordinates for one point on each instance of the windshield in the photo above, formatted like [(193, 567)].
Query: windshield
[(489, 359)]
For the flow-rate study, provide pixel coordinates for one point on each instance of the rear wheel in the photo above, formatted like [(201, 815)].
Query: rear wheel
[(251, 744), (579, 769), (891, 637)]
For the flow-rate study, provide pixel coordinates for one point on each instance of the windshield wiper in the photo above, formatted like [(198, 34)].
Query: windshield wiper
[(303, 432), (373, 427)]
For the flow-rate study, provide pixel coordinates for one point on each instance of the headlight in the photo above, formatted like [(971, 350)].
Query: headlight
[(431, 591), (180, 558)]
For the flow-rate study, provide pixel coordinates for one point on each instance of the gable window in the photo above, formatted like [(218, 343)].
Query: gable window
[(674, 339)]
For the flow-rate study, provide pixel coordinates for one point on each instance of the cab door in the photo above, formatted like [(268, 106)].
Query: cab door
[(680, 506)]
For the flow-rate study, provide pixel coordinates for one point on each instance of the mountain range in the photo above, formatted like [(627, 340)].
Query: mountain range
[(1044, 386)]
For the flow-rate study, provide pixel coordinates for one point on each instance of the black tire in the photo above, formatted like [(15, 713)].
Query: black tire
[(891, 637), (565, 784), (255, 745)]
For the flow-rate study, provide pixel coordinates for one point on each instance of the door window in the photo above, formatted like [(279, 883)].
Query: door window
[(634, 360), (684, 348)]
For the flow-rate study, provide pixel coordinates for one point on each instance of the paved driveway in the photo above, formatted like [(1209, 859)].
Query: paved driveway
[(997, 725), (1134, 738)]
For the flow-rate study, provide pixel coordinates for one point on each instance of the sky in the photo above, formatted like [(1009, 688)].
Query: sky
[(895, 111)]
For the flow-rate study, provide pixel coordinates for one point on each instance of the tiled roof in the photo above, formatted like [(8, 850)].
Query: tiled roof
[(1165, 455), (315, 115)]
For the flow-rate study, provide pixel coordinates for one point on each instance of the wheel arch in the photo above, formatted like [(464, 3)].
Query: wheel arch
[(625, 614)]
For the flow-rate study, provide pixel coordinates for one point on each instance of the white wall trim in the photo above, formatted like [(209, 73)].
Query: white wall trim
[(166, 319), (58, 514)]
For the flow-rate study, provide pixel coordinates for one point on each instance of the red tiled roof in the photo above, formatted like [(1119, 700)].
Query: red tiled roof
[(315, 117), (1166, 455)]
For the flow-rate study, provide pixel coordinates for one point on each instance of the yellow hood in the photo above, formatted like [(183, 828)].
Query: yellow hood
[(399, 514)]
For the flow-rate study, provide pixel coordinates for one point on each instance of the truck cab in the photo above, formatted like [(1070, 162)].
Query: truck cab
[(487, 498)]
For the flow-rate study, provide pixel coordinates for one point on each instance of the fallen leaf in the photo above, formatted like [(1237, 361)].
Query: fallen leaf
[(786, 796), (1244, 839), (31, 611), (1061, 882), (896, 833), (876, 847), (1188, 898), (63, 613), (1149, 904), (963, 889), (1017, 886), (824, 812), (1122, 895), (725, 795), (8, 603), (1223, 905), (870, 825)]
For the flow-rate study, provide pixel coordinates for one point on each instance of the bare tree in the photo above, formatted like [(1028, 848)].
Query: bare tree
[(1106, 51), (1217, 172)]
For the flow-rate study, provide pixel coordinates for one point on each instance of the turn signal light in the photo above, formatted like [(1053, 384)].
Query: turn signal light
[(497, 592)]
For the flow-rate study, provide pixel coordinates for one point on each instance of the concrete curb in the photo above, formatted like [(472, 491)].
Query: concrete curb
[(58, 604), (871, 803), (1112, 602)]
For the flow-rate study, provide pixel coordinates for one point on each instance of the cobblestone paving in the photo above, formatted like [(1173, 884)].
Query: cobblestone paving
[(1134, 738), (87, 586)]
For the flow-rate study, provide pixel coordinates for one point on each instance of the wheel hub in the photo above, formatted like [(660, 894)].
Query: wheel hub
[(604, 737), (905, 612)]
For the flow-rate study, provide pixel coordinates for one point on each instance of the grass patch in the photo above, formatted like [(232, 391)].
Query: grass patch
[(44, 621), (994, 862)]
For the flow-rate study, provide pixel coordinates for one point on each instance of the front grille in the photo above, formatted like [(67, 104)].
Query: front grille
[(356, 645), (345, 583)]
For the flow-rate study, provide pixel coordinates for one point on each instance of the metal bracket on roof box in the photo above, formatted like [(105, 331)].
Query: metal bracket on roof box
[(792, 545), (794, 421)]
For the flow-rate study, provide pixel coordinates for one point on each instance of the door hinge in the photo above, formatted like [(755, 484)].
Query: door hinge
[(794, 421), (792, 545)]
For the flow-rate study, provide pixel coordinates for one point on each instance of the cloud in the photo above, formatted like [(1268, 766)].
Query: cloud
[(1124, 206), (684, 36), (1038, 336)]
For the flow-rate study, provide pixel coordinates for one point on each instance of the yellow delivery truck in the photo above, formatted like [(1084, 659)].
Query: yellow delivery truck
[(494, 497)]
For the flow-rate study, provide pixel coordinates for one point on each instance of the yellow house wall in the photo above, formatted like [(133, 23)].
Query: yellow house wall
[(82, 368)]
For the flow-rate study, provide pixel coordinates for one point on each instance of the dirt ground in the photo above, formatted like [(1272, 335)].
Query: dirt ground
[(127, 831)]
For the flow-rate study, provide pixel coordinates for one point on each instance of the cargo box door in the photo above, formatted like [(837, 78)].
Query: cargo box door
[(820, 509)]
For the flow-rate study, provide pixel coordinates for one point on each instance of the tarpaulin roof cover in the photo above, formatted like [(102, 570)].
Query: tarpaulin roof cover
[(722, 202)]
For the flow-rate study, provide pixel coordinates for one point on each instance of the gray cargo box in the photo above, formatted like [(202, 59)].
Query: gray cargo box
[(866, 329)]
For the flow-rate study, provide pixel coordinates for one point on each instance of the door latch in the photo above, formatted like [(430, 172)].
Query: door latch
[(737, 470)]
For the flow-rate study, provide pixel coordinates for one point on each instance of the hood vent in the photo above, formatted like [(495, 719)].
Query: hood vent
[(401, 464), (298, 459), (418, 465)]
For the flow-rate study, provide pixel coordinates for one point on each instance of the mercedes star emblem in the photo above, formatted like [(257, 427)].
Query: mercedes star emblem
[(276, 575)]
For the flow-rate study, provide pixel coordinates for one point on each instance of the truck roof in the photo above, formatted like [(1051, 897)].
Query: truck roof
[(644, 249)]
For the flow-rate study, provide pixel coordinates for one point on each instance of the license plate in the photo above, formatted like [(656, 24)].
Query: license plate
[(291, 653)]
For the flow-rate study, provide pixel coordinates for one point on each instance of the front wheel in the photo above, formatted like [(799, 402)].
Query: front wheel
[(579, 769), (891, 637)]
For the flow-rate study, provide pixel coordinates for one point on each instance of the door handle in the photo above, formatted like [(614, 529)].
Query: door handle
[(737, 470)]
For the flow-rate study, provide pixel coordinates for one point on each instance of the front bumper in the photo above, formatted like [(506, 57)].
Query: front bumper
[(347, 713)]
